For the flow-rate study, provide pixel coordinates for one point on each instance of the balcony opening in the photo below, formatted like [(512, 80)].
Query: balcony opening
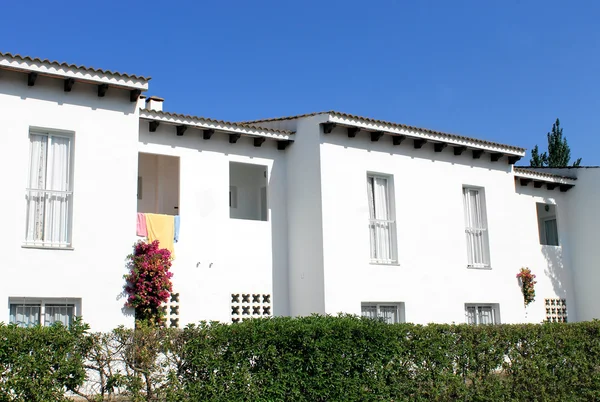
[(248, 191), (547, 226), (158, 184)]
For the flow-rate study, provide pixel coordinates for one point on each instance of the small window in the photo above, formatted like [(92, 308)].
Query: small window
[(548, 229), (49, 192), (27, 312), (476, 230), (25, 315), (248, 191), (481, 314), (391, 313), (382, 221), (63, 313)]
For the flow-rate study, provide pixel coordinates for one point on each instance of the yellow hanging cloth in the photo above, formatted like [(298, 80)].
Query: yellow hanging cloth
[(162, 228)]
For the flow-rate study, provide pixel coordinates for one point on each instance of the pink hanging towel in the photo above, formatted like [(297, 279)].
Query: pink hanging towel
[(141, 228)]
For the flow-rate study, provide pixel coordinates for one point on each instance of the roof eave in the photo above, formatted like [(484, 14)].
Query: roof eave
[(209, 124), (79, 74), (527, 176), (345, 120)]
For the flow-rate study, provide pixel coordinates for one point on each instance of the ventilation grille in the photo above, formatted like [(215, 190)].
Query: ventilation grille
[(171, 309), (250, 305), (556, 310)]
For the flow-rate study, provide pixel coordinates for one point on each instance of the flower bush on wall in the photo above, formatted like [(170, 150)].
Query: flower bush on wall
[(527, 285), (148, 281)]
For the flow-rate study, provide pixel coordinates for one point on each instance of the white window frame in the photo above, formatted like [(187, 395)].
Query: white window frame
[(387, 227), (30, 240), (398, 305), (75, 303), (472, 232), (495, 310)]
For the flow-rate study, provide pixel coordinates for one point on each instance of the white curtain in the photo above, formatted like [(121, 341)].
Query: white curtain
[(369, 311), (380, 225), (486, 315), (57, 220), (551, 232), (477, 315), (24, 315), (470, 312), (49, 196), (37, 181), (58, 313), (476, 232), (389, 314)]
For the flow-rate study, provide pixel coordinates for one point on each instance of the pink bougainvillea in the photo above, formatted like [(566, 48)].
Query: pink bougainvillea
[(148, 281), (527, 285)]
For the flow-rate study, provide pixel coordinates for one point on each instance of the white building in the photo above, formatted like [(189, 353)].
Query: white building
[(319, 213)]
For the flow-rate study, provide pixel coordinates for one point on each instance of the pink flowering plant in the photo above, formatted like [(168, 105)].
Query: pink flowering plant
[(148, 281), (527, 285)]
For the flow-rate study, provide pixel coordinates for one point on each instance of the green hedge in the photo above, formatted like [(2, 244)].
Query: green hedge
[(39, 364), (351, 359), (308, 359)]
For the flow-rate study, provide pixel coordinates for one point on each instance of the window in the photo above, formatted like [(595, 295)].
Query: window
[(382, 224), (479, 314), (548, 229), (25, 315), (248, 191), (27, 312), (390, 313), (476, 228), (49, 194)]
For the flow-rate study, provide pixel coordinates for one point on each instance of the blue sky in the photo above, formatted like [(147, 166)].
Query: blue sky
[(501, 71)]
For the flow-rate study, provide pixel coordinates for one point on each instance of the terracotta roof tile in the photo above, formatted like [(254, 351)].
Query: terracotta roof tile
[(67, 65)]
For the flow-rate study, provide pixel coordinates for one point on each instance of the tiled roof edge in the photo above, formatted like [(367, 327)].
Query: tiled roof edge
[(522, 170), (396, 125), (240, 125), (67, 65)]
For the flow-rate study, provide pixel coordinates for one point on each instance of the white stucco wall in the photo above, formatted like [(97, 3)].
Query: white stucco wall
[(104, 201), (305, 217), (432, 277), (312, 252), (217, 255), (551, 264), (584, 221)]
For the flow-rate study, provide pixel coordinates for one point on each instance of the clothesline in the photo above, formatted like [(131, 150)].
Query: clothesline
[(164, 228)]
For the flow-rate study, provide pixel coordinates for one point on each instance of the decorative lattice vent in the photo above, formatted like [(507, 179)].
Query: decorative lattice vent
[(556, 310), (171, 309), (250, 305)]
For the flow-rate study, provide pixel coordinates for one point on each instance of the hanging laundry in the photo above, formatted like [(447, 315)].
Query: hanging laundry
[(141, 229), (161, 228), (176, 237)]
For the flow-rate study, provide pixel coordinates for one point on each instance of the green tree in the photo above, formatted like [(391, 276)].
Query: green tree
[(559, 152)]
